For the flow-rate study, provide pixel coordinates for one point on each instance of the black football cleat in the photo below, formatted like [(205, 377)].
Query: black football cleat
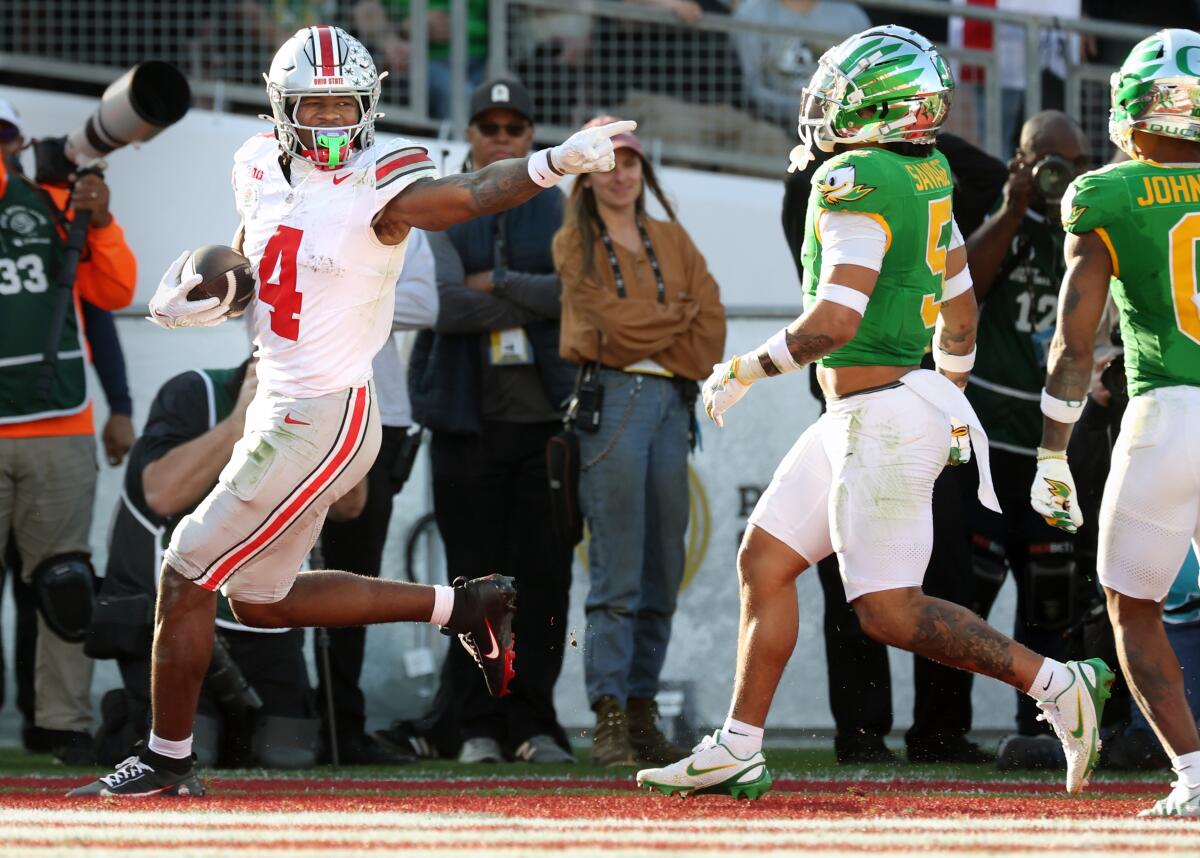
[(135, 778), (482, 618)]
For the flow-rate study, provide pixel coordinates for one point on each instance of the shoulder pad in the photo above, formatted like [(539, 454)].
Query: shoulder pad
[(1092, 199)]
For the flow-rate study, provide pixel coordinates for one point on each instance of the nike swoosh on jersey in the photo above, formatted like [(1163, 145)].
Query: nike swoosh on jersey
[(287, 418), (337, 180)]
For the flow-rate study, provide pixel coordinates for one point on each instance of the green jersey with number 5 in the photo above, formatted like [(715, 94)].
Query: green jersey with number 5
[(911, 200), (1148, 215)]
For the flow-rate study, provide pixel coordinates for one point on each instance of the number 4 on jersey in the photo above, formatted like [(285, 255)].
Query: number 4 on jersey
[(279, 257)]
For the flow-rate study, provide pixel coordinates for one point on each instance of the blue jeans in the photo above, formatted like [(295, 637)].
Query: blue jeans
[(634, 494)]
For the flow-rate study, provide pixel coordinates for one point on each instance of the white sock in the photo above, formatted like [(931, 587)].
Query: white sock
[(743, 739), (443, 604), (180, 750), (1187, 766), (1052, 679)]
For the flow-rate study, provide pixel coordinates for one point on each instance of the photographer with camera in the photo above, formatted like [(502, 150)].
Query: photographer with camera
[(47, 432), (1016, 258)]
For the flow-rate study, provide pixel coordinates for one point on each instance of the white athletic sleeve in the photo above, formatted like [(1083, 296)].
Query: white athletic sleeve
[(956, 237), (850, 238), (400, 166)]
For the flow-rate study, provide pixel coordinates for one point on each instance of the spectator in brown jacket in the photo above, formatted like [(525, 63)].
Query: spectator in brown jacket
[(644, 316)]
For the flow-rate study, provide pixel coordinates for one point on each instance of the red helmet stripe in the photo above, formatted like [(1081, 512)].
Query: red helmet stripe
[(328, 57)]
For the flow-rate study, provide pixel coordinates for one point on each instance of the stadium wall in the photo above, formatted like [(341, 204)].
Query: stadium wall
[(173, 193)]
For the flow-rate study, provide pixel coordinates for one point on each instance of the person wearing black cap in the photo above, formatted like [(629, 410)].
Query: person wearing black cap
[(489, 382)]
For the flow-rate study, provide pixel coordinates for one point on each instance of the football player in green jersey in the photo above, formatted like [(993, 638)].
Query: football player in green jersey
[(1137, 224), (885, 272)]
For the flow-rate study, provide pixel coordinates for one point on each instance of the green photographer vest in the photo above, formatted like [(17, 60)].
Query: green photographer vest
[(31, 259)]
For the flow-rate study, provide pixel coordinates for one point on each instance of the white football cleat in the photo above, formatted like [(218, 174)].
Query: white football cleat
[(712, 769), (1075, 716), (1184, 800)]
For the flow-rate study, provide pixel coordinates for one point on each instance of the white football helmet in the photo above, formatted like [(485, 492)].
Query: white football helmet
[(323, 61)]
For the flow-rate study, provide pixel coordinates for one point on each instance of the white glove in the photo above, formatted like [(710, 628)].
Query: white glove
[(722, 390), (1053, 495), (586, 151), (170, 307), (960, 443)]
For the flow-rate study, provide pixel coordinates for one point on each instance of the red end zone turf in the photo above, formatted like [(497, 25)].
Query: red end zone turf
[(332, 817)]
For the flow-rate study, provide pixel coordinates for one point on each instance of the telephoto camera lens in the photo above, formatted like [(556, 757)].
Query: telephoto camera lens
[(1052, 176)]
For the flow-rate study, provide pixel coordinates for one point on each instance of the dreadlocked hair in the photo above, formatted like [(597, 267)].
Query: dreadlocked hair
[(582, 217)]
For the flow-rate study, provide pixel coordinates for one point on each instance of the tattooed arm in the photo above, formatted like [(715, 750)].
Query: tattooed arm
[(435, 204), (1080, 306), (825, 327), (957, 320)]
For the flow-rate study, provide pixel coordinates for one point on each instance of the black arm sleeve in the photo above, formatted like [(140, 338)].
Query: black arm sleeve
[(107, 357)]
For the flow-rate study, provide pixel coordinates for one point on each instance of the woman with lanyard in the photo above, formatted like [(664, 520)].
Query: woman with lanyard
[(643, 317)]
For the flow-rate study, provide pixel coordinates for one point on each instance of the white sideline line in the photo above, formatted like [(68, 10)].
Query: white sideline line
[(526, 850), (514, 836), (222, 819)]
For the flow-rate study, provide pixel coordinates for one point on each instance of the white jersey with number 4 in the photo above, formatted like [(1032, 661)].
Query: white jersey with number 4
[(326, 283)]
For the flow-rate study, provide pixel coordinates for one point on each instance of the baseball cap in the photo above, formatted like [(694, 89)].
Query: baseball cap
[(624, 140), (9, 114), (502, 93)]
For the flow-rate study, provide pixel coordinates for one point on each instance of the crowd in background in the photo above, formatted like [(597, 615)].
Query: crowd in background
[(513, 310)]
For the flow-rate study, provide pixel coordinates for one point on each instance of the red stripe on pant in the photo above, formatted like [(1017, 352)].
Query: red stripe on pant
[(293, 507), (327, 58)]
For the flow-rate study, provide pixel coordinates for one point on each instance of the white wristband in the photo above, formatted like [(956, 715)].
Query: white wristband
[(956, 285), (1062, 410), (952, 362), (542, 170), (779, 353), (844, 295)]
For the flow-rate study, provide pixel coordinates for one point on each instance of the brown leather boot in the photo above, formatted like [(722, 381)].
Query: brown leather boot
[(648, 741), (610, 740)]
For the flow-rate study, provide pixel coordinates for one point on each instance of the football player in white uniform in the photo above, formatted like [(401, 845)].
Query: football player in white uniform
[(326, 214)]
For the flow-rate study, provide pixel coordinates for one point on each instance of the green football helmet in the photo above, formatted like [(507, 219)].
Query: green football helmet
[(883, 85), (1157, 89)]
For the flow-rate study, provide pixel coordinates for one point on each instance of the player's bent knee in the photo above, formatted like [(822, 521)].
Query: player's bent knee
[(764, 561), (881, 615), (259, 615)]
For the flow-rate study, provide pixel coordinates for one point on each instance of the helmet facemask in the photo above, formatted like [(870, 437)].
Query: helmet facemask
[(345, 69), (836, 109)]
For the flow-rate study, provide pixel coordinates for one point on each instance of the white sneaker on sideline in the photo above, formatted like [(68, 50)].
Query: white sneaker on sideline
[(481, 749)]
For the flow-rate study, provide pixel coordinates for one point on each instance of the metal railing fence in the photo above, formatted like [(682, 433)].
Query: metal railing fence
[(697, 102)]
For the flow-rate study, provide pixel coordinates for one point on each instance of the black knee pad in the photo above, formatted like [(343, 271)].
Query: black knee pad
[(64, 587)]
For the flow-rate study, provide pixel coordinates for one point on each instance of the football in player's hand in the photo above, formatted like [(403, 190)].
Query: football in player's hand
[(227, 276)]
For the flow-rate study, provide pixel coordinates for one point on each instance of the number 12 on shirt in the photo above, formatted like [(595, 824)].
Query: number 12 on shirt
[(279, 258)]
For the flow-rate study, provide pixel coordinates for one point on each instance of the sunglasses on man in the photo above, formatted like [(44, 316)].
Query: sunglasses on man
[(511, 129)]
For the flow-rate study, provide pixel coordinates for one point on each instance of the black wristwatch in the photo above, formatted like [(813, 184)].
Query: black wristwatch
[(499, 281)]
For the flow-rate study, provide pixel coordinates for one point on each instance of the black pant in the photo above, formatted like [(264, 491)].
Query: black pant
[(272, 663), (492, 503), (1041, 558), (25, 636), (859, 679), (357, 546)]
